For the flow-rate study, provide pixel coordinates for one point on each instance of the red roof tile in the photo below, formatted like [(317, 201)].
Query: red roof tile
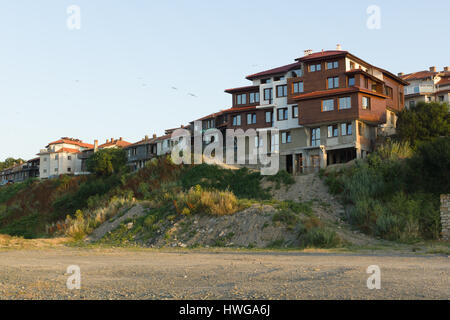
[(118, 143), (419, 75), (269, 72), (73, 142), (322, 54), (68, 150)]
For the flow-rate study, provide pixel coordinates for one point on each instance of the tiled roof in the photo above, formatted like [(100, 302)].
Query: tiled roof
[(142, 142), (444, 81), (212, 115), (269, 72), (246, 88), (68, 150), (118, 143), (73, 142), (419, 75), (322, 54)]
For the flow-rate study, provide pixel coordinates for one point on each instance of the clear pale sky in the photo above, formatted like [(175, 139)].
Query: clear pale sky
[(114, 76)]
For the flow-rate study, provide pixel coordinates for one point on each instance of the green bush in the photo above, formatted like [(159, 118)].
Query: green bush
[(243, 183), (282, 176)]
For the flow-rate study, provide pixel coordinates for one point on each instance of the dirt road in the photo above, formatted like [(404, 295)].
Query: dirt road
[(151, 274)]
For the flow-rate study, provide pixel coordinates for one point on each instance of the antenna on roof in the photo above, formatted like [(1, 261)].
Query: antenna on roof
[(338, 47)]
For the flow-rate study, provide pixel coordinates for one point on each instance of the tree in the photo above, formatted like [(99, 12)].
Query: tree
[(9, 162), (105, 162), (424, 122)]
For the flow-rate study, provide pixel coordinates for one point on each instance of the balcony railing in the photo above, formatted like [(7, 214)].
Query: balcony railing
[(423, 88)]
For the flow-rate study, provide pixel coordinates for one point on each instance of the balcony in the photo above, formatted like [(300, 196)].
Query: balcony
[(423, 88)]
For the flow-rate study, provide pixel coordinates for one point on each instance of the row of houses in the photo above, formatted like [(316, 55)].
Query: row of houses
[(327, 107)]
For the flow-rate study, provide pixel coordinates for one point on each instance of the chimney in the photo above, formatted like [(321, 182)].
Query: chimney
[(154, 136), (401, 74), (95, 145), (112, 140), (308, 52), (120, 139), (338, 47), (446, 69), (146, 138), (107, 140), (433, 69)]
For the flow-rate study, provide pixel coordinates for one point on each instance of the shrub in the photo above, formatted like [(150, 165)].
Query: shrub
[(311, 233), (107, 161), (198, 200), (282, 176)]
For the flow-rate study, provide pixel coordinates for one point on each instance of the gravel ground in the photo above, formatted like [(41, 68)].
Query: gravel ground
[(191, 274)]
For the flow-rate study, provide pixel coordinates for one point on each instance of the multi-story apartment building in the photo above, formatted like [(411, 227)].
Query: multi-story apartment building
[(329, 107), (141, 152), (20, 172), (61, 157), (426, 86)]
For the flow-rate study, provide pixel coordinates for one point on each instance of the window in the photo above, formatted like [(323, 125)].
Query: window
[(254, 97), (297, 87), (268, 80), (69, 169), (315, 137), (333, 131), (269, 116), (392, 118), (315, 67), (360, 128), (441, 98), (428, 99), (69, 157), (332, 65), (366, 83), (56, 157), (56, 169), (388, 91), (294, 111), (328, 105), (333, 82), (346, 129), (251, 118), (279, 78), (268, 95), (286, 137), (241, 98), (345, 103), (352, 65), (351, 81), (45, 159), (365, 102), (282, 114), (237, 120), (282, 91), (45, 170)]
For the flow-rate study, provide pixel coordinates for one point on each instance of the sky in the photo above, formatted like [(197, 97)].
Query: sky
[(137, 67)]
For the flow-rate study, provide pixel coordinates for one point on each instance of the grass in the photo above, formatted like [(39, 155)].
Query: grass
[(281, 177)]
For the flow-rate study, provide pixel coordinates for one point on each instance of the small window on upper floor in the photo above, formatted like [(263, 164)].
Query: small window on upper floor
[(282, 91), (268, 80), (366, 103), (297, 87), (297, 73), (278, 78), (332, 65), (254, 97), (333, 131), (351, 81), (282, 114), (295, 111), (333, 83), (241, 98), (315, 67)]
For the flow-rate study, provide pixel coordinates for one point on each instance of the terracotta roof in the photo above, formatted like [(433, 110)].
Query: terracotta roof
[(212, 115), (444, 81), (419, 75), (68, 150), (73, 142), (167, 136), (322, 54), (118, 143), (247, 88), (142, 142), (238, 109), (273, 71)]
